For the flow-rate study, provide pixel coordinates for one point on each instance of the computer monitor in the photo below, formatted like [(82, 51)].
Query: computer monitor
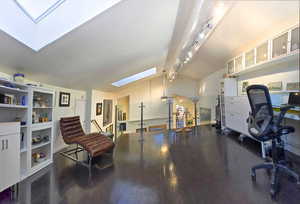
[(294, 99)]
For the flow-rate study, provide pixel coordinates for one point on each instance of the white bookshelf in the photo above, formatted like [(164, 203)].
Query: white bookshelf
[(42, 127)]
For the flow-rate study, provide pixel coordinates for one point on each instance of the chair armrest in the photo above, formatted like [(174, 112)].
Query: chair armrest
[(286, 130), (286, 108), (283, 110)]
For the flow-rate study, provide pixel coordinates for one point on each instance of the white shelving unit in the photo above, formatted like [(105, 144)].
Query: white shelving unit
[(41, 112), (28, 102)]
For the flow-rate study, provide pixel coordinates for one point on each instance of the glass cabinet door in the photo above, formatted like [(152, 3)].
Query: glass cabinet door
[(280, 45), (238, 63), (295, 39), (262, 53), (230, 67), (249, 58)]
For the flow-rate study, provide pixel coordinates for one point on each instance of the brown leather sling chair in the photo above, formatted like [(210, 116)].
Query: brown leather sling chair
[(95, 144)]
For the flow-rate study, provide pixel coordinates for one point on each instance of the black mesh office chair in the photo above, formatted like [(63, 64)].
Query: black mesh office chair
[(263, 126)]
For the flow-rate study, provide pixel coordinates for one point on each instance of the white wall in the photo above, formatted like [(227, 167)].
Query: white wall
[(59, 112), (286, 73), (183, 86), (149, 92), (208, 91), (98, 97)]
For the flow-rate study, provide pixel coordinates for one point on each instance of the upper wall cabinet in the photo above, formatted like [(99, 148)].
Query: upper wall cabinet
[(238, 63), (280, 45), (295, 39), (230, 67), (250, 58), (282, 48), (262, 52)]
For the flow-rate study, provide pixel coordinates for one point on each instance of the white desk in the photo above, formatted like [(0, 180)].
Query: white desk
[(237, 110)]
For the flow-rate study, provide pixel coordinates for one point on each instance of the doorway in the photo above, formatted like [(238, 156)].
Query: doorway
[(183, 112)]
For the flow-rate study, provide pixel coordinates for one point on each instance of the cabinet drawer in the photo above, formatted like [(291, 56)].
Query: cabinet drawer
[(9, 128)]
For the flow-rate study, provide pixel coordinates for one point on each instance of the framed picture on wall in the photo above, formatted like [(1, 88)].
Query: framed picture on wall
[(98, 108), (64, 99)]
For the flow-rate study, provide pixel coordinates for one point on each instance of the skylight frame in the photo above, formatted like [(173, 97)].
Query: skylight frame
[(135, 77), (44, 14)]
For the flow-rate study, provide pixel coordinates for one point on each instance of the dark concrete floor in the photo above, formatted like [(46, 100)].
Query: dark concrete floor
[(202, 167)]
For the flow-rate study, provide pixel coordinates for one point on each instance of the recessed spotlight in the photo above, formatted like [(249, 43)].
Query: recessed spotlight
[(201, 35), (190, 54), (219, 11)]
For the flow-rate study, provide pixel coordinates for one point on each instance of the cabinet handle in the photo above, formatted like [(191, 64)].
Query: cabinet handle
[(6, 144)]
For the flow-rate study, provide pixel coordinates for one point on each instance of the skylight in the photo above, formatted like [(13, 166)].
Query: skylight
[(38, 9), (135, 77), (38, 23)]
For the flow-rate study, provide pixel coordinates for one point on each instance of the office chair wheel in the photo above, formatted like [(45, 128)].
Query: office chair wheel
[(298, 184), (273, 192), (273, 195), (253, 176)]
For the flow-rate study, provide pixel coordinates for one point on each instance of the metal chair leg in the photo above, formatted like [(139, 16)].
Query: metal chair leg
[(289, 172), (267, 166), (90, 166), (76, 152), (274, 183), (90, 162)]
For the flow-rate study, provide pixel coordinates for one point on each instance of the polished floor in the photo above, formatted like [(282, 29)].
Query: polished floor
[(202, 167)]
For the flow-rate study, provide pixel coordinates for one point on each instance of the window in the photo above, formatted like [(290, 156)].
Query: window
[(37, 9), (135, 77)]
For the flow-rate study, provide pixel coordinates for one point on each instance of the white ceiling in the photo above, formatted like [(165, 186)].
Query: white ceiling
[(130, 37), (247, 24)]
